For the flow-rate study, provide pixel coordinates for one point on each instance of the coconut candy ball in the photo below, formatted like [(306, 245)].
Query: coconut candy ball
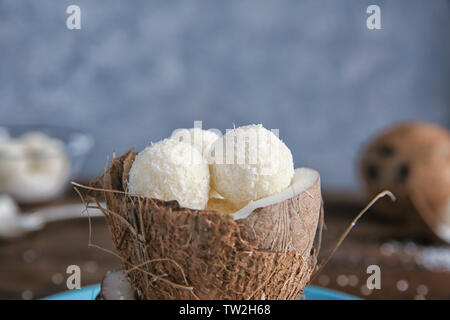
[(171, 170), (200, 139), (250, 163)]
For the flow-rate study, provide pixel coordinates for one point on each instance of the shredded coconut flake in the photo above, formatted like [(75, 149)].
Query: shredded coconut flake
[(171, 170)]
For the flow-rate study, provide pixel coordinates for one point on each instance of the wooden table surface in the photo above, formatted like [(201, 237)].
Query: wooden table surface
[(35, 266)]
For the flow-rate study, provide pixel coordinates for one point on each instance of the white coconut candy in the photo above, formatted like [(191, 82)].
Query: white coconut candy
[(8, 216), (250, 163), (171, 170), (202, 140), (33, 167)]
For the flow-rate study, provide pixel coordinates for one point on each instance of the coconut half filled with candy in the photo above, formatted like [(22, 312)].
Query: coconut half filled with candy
[(234, 221)]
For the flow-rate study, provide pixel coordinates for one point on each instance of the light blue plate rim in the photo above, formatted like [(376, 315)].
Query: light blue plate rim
[(311, 293)]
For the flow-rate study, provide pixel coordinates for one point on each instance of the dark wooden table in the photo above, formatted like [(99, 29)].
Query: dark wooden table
[(35, 266)]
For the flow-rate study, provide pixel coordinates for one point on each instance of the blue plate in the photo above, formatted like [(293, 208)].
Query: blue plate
[(311, 293), (318, 293)]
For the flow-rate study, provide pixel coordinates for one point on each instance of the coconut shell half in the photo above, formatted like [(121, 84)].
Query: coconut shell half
[(286, 221), (171, 252), (411, 159), (388, 162), (430, 191)]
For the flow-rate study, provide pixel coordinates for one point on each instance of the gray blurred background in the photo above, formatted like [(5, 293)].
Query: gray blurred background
[(137, 70)]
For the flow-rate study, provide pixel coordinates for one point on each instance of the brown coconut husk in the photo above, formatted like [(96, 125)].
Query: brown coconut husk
[(171, 252), (389, 162), (429, 191), (285, 226)]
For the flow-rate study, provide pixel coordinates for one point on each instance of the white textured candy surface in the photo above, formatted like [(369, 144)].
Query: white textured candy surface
[(200, 139), (260, 165), (171, 170), (34, 167)]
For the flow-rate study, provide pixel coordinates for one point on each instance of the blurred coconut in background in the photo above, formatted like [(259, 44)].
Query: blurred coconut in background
[(412, 159)]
